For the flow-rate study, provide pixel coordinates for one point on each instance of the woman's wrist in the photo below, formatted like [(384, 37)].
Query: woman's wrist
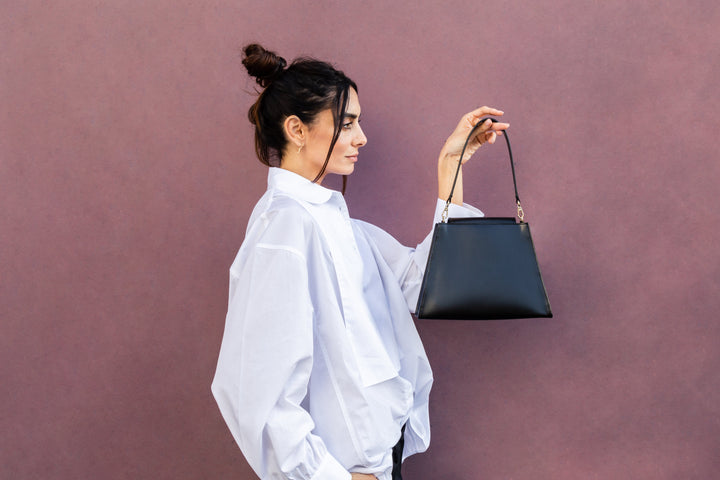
[(447, 166)]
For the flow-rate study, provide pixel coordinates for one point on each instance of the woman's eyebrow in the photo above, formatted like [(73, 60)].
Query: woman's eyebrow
[(352, 116)]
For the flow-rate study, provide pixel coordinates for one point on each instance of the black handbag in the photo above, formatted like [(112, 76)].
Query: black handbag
[(482, 268)]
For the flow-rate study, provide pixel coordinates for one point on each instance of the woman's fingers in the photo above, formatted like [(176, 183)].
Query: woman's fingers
[(486, 125), (496, 126), (489, 134), (471, 118), (479, 112), (486, 132)]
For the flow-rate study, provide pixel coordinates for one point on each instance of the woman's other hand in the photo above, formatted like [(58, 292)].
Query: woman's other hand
[(362, 476), (450, 153)]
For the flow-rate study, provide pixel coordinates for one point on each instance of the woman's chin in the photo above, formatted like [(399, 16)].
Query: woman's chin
[(347, 170)]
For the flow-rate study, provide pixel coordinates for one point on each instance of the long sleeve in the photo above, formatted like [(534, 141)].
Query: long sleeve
[(408, 264), (264, 367)]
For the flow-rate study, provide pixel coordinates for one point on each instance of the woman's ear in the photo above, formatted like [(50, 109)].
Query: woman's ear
[(295, 131)]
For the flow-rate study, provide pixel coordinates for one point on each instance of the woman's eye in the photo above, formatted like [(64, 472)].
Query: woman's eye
[(347, 126)]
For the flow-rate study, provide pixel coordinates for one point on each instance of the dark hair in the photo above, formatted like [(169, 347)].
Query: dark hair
[(305, 88)]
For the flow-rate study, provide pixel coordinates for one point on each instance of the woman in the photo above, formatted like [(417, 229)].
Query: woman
[(321, 368)]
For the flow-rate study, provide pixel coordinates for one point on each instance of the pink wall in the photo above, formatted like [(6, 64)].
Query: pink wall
[(127, 176)]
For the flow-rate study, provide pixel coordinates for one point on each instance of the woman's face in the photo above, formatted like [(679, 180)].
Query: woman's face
[(345, 153)]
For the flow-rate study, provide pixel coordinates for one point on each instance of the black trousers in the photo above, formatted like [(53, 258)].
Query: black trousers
[(397, 452)]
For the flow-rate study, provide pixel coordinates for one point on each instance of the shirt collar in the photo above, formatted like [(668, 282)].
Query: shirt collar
[(297, 186)]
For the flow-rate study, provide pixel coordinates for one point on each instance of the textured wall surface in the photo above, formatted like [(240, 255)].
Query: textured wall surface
[(127, 175)]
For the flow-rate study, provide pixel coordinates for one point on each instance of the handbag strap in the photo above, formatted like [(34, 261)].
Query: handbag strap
[(520, 212)]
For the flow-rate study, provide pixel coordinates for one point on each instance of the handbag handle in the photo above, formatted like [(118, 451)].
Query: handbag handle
[(520, 212)]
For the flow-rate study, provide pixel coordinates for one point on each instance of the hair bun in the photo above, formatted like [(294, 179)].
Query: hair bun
[(262, 64)]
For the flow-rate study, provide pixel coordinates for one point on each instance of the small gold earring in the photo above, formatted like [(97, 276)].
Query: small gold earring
[(301, 147)]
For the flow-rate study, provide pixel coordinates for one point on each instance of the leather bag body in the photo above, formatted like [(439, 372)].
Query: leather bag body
[(483, 269)]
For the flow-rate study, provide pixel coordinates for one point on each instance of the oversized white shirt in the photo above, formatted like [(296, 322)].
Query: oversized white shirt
[(320, 363)]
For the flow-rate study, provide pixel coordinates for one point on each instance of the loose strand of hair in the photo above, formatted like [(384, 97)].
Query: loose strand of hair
[(341, 101)]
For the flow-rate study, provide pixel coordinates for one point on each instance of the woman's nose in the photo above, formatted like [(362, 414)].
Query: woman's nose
[(360, 139)]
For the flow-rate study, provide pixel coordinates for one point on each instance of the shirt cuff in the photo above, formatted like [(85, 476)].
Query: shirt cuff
[(455, 211), (330, 469)]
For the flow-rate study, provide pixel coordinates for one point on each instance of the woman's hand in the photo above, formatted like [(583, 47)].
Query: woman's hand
[(450, 153), (362, 476)]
